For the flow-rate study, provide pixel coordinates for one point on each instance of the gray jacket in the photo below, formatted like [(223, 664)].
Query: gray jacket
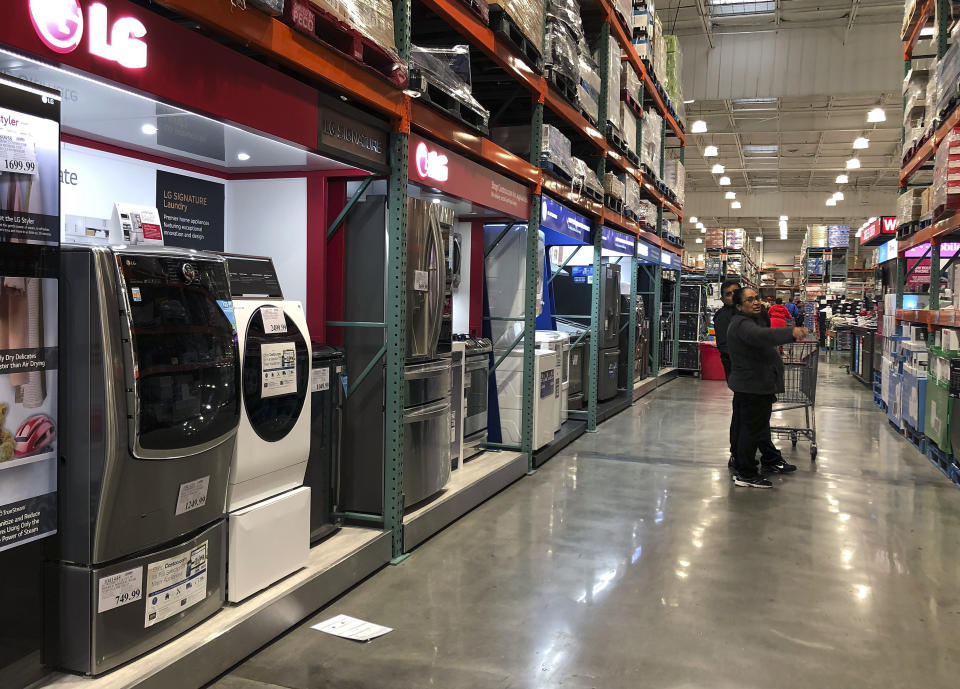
[(756, 364)]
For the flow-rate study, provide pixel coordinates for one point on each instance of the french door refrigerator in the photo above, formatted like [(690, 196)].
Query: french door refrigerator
[(148, 423), (427, 376)]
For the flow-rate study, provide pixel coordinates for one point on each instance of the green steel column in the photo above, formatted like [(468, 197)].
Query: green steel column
[(530, 296), (604, 51), (943, 11), (396, 311), (901, 279), (595, 317), (655, 320), (676, 319), (935, 274), (632, 333), (663, 145)]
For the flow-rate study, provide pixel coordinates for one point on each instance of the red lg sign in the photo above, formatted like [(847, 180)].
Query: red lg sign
[(60, 24)]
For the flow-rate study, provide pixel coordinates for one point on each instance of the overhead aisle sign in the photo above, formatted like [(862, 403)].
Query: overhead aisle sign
[(558, 218), (617, 242), (647, 253)]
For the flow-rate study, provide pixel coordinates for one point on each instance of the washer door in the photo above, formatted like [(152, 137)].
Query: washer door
[(276, 371)]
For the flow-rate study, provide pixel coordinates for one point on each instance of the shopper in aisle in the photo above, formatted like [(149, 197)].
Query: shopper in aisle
[(756, 377), (794, 309), (721, 321), (779, 314)]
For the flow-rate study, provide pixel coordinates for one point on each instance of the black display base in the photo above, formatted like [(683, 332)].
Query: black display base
[(569, 431)]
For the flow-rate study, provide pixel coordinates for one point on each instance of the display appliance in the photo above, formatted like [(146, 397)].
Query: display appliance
[(148, 426), (559, 342), (476, 378), (326, 423), (509, 376)]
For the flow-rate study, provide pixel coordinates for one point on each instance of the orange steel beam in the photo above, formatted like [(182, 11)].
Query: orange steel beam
[(924, 11), (275, 39), (450, 132), (620, 223), (939, 230), (563, 193), (920, 158)]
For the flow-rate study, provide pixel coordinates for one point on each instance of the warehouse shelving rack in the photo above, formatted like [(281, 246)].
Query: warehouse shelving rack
[(273, 41)]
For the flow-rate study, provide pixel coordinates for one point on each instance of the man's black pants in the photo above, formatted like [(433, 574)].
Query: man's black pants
[(752, 413), (769, 454)]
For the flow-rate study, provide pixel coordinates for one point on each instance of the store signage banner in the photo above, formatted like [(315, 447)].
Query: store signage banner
[(670, 260), (878, 231), (559, 218), (29, 237), (617, 241), (920, 275), (887, 252), (947, 250), (191, 211), (435, 166), (647, 253), (347, 135)]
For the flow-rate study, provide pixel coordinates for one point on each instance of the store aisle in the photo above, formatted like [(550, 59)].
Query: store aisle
[(630, 560)]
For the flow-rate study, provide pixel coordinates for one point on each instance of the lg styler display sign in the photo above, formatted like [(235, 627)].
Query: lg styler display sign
[(29, 240)]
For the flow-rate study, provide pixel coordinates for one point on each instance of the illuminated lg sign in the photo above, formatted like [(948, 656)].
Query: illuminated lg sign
[(431, 165), (60, 24)]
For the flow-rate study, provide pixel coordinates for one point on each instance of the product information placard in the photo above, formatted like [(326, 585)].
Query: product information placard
[(278, 369), (175, 584), (191, 210), (29, 237)]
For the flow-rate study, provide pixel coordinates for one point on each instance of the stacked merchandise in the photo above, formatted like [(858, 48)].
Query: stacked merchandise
[(838, 236), (692, 325), (947, 75), (674, 177), (586, 179), (561, 48), (628, 126), (946, 174), (631, 198), (555, 152), (817, 236), (588, 90), (713, 238), (527, 15), (630, 81), (915, 109), (615, 190), (909, 207), (448, 70), (624, 9), (672, 72), (646, 215), (612, 60), (659, 57), (643, 14), (734, 239), (652, 141)]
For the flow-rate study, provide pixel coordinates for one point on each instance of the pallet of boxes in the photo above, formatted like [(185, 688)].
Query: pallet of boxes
[(520, 22)]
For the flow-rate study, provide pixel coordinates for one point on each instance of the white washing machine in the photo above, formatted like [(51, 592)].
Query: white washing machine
[(510, 396), (560, 343), (266, 500)]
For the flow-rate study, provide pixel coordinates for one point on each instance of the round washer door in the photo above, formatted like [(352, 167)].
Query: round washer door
[(276, 373)]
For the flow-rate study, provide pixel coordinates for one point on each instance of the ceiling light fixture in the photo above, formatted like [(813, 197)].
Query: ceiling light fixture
[(717, 169), (853, 164), (735, 204), (724, 181), (860, 143), (730, 195), (759, 239), (700, 127), (148, 129), (694, 220), (838, 195), (699, 241), (784, 218), (700, 226), (703, 230), (842, 179), (783, 225), (688, 102), (710, 152), (876, 115), (244, 157), (831, 201)]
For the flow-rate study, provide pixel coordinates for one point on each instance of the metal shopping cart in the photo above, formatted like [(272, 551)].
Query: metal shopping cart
[(800, 361)]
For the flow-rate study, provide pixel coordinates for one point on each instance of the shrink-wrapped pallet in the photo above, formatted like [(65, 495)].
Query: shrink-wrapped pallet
[(910, 206), (734, 239), (628, 126), (629, 80), (564, 31), (647, 214), (674, 176), (555, 146), (273, 7), (527, 15), (946, 174), (450, 70), (613, 186), (631, 198), (585, 177), (589, 85), (372, 18), (652, 124), (612, 59)]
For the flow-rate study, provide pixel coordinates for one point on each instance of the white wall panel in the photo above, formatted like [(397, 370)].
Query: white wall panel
[(794, 63)]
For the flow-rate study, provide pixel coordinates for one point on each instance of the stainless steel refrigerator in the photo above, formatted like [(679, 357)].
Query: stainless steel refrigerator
[(427, 383)]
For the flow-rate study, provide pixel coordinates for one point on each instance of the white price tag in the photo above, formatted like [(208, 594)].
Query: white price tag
[(192, 495), (273, 320), (320, 379), (17, 150), (421, 280), (116, 590), (175, 584)]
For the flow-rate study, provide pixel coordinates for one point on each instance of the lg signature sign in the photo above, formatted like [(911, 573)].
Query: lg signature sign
[(431, 165), (60, 25)]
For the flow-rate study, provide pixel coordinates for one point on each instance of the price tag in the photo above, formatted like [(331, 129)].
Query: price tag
[(120, 589), (421, 280), (17, 152), (193, 495), (273, 320), (320, 379)]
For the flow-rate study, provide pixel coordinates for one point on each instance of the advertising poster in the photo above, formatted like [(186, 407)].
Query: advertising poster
[(29, 240), (191, 211)]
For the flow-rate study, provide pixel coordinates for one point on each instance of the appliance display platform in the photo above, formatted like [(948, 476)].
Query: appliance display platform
[(569, 431), (612, 407), (477, 480), (648, 385), (193, 659)]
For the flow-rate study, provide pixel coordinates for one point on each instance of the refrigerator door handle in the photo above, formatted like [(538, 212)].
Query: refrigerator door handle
[(437, 296)]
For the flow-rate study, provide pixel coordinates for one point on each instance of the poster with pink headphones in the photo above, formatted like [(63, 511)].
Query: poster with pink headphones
[(29, 265)]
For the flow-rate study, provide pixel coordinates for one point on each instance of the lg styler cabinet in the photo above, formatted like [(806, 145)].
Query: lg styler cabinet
[(148, 422)]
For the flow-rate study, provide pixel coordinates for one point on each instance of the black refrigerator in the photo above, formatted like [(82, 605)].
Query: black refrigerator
[(326, 424)]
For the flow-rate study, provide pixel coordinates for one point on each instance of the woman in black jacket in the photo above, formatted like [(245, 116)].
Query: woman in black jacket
[(756, 377)]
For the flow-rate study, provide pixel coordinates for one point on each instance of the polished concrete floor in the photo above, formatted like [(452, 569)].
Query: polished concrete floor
[(630, 560)]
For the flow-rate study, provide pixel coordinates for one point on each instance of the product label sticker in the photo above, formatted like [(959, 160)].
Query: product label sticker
[(421, 280), (117, 590), (175, 584), (273, 320), (18, 152), (278, 369), (135, 294), (192, 495), (546, 383), (226, 305), (320, 379)]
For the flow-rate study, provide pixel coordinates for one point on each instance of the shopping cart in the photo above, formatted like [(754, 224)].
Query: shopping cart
[(800, 361)]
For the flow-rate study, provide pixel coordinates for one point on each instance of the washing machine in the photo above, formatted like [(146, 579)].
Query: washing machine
[(268, 524), (509, 377), (560, 343)]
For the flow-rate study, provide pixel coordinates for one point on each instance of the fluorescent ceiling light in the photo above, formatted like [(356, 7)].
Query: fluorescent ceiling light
[(927, 31), (730, 195), (759, 239), (243, 156), (760, 151), (699, 127), (853, 164), (699, 241), (784, 218), (735, 204), (831, 201), (783, 235), (703, 230), (877, 115), (700, 226), (688, 102), (710, 152), (694, 220), (783, 225), (842, 179), (838, 195), (148, 129), (860, 143), (717, 169), (724, 181), (739, 8), (743, 101)]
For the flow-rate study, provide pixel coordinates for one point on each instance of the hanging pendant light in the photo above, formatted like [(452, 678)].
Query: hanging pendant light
[(730, 195), (717, 169), (699, 127), (724, 181), (710, 152)]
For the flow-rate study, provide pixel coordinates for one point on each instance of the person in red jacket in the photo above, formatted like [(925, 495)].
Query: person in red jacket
[(779, 315)]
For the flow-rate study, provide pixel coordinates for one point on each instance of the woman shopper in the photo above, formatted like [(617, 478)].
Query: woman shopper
[(756, 377)]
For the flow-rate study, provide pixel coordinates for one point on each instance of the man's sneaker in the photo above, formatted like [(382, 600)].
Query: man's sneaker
[(752, 482), (732, 463), (781, 467)]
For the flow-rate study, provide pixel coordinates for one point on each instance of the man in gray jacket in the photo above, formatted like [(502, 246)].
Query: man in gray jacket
[(756, 376)]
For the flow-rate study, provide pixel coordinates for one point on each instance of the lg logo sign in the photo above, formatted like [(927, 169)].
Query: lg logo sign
[(60, 24), (431, 164)]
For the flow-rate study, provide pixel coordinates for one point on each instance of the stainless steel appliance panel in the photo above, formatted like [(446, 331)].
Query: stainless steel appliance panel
[(427, 382), (476, 383), (456, 407), (326, 423), (608, 374), (610, 305), (426, 451), (426, 276)]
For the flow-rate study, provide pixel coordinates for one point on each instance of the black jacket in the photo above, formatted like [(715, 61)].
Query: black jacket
[(721, 321), (757, 367)]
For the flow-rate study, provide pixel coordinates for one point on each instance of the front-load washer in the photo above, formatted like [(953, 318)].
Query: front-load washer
[(265, 500)]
